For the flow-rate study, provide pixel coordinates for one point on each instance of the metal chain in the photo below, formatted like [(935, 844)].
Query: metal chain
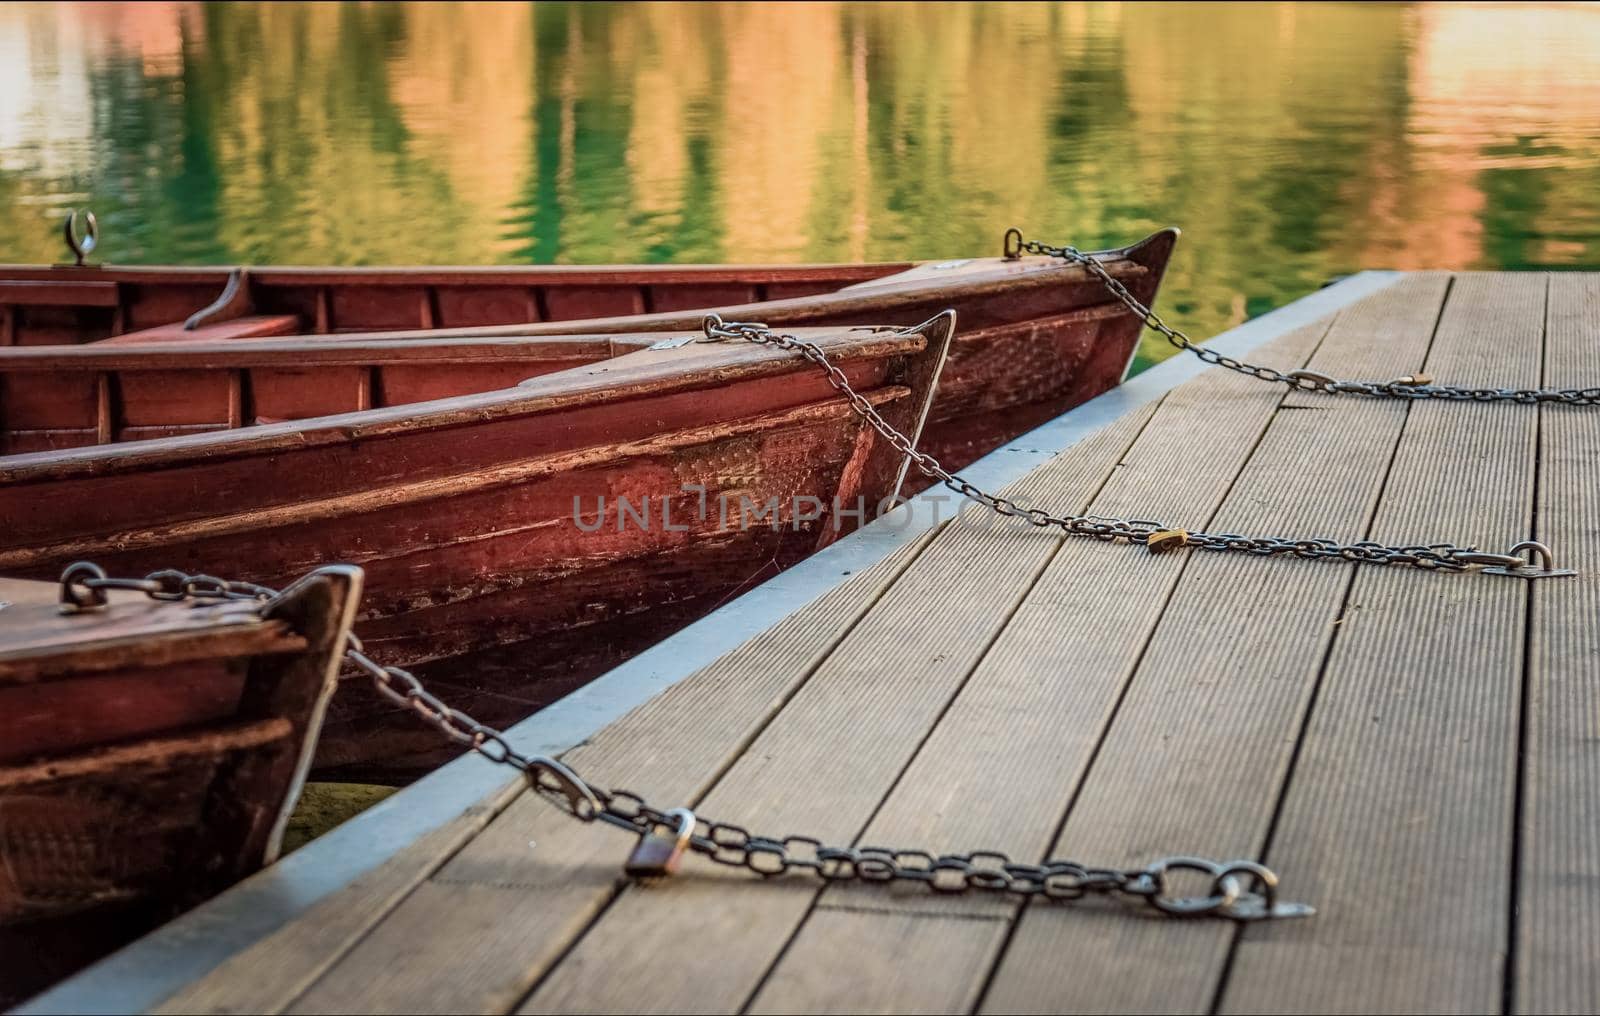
[(1417, 386), (1237, 890), (1156, 536)]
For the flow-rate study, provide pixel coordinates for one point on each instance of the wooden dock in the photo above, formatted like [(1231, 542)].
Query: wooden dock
[(1416, 754)]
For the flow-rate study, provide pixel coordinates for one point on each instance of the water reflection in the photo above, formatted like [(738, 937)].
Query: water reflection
[(1291, 142)]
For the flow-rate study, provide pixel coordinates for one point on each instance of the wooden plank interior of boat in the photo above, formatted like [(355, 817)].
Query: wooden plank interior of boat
[(70, 396), (46, 305), (150, 754), (595, 509), (1038, 336)]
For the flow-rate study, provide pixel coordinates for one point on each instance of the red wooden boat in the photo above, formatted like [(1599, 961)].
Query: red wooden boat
[(477, 517), (1038, 336), (150, 755)]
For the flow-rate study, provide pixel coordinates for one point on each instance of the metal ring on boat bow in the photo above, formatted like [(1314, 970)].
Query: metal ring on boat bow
[(1011, 246), (76, 592), (81, 248)]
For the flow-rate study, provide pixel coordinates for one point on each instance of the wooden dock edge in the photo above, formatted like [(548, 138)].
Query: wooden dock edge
[(142, 975)]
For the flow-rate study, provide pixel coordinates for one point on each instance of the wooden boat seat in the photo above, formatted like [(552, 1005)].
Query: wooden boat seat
[(255, 326), (44, 311)]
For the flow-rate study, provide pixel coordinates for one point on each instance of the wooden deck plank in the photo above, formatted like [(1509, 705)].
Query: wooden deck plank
[(850, 732), (882, 961), (519, 890), (788, 647), (991, 776), (1401, 806), (539, 876), (272, 973), (1558, 912), (1195, 754)]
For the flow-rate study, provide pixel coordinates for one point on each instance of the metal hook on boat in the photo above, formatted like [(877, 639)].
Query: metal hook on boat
[(81, 248), (718, 330), (713, 327), (1011, 246), (76, 592)]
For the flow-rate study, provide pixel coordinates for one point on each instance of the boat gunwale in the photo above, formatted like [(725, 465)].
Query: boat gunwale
[(308, 351), (559, 274), (467, 275), (870, 302), (860, 287), (720, 364), (31, 656)]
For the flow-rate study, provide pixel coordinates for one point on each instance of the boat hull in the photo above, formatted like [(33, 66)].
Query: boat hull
[(150, 755), (584, 514)]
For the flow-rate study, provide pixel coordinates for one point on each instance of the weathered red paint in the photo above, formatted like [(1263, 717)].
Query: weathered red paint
[(1038, 336), (149, 753), (460, 510)]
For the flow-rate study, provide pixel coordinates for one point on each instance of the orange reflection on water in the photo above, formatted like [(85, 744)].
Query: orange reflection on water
[(464, 88), (154, 32)]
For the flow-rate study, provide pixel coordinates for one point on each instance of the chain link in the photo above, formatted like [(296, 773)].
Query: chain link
[(1159, 536), (1237, 890), (1414, 387)]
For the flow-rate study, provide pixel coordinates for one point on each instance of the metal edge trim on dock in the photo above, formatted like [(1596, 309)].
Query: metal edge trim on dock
[(145, 973)]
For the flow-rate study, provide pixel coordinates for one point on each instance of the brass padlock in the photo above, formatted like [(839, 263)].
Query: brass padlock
[(1166, 539), (658, 855)]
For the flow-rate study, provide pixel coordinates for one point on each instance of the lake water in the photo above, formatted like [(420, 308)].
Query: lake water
[(1292, 143)]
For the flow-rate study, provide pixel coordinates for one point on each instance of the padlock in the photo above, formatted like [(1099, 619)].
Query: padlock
[(1165, 540), (658, 855)]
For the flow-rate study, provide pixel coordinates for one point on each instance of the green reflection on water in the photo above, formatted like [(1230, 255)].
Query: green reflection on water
[(1292, 143)]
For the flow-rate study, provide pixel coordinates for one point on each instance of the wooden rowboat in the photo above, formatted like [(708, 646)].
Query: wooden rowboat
[(477, 517), (150, 754), (1038, 336)]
